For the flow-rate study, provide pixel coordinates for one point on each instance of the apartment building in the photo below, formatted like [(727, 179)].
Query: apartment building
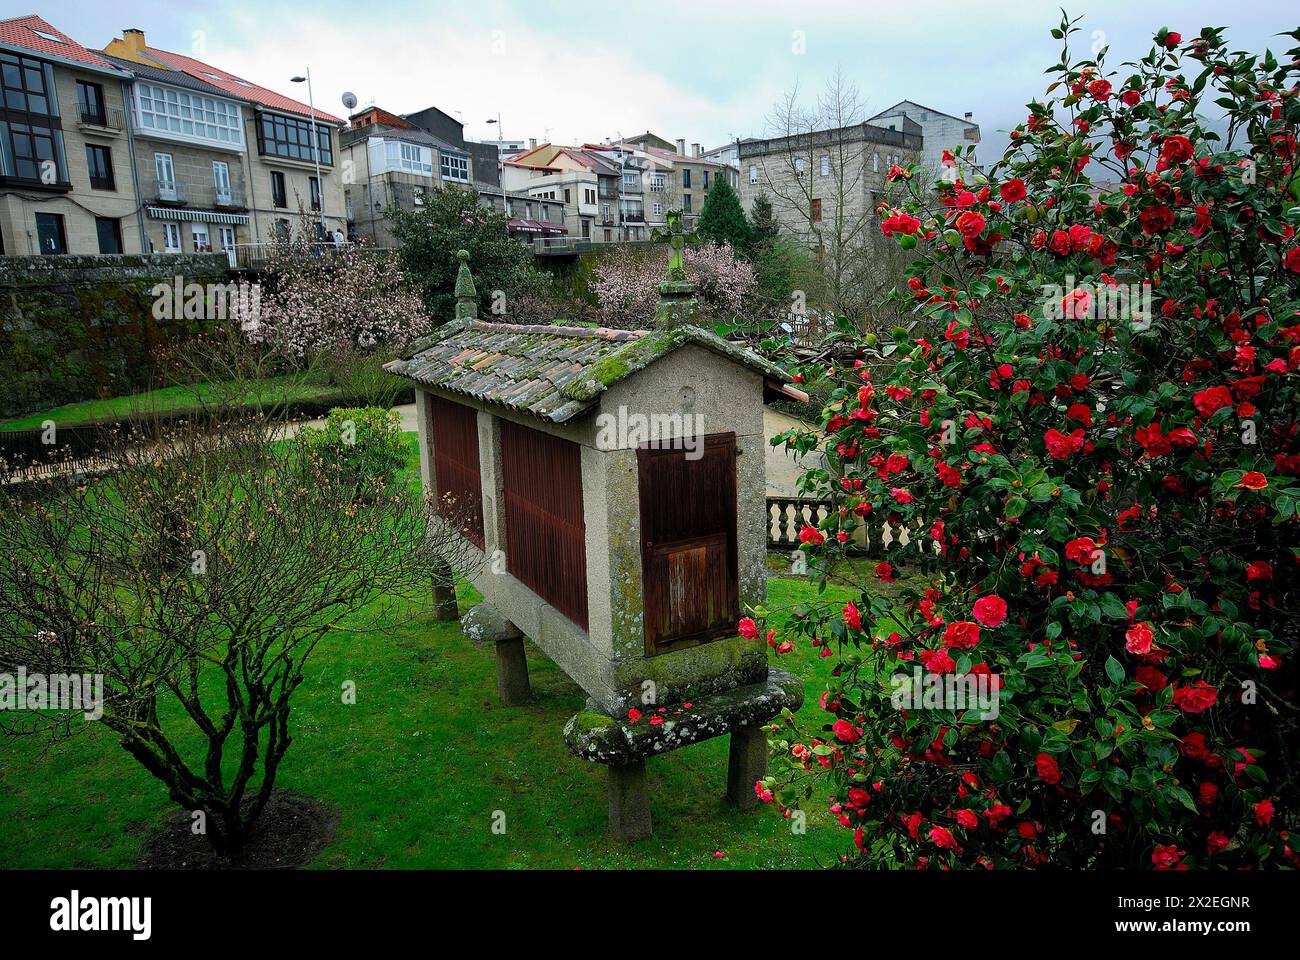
[(390, 162), (66, 178), (803, 175), (191, 140), (673, 179), (564, 175)]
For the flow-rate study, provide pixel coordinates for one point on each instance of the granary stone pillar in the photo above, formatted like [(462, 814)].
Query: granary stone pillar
[(746, 762), (485, 623), (466, 292), (629, 802)]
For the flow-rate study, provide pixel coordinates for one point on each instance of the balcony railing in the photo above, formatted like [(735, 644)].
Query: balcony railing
[(561, 246), (630, 217), (229, 197), (170, 191), (108, 119)]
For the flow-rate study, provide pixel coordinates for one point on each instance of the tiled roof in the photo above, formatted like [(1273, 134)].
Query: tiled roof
[(178, 78), (551, 372), (21, 32), (239, 87)]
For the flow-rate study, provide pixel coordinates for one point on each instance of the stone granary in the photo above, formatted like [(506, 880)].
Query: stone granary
[(612, 482)]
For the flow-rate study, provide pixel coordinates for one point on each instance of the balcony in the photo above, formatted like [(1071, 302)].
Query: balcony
[(633, 217), (230, 198), (169, 191), (100, 121), (561, 246)]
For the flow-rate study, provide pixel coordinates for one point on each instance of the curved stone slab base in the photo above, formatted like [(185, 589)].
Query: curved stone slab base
[(603, 739)]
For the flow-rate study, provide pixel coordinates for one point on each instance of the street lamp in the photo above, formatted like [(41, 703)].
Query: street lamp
[(315, 144), (497, 121)]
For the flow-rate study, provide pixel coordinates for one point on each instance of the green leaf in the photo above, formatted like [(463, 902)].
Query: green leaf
[(1114, 670)]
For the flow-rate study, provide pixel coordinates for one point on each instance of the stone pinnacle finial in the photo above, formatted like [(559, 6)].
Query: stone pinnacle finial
[(677, 305), (466, 292)]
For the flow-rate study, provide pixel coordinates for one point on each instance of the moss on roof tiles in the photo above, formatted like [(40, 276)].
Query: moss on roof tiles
[(554, 372)]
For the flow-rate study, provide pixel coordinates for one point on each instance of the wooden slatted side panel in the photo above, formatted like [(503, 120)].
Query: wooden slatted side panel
[(458, 482), (688, 544), (546, 535)]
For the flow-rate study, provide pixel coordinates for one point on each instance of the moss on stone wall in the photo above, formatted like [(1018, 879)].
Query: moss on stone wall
[(83, 327)]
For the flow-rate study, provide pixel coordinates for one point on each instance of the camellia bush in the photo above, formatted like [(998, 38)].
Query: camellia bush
[(1097, 462)]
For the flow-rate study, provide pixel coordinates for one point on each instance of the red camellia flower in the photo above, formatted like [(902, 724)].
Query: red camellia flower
[(748, 629), (1253, 480), (1291, 260), (845, 732), (811, 535), (1172, 40), (1166, 857), (1013, 190), (885, 572), (1177, 149), (633, 715), (1139, 638), (968, 819), (1209, 400), (991, 610), (1131, 98), (1196, 697), (970, 223), (961, 634), (1061, 445), (1081, 550), (943, 838), (1264, 812), (1048, 770), (852, 618), (1076, 305)]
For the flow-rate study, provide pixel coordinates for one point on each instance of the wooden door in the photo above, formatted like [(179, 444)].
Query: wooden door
[(688, 544)]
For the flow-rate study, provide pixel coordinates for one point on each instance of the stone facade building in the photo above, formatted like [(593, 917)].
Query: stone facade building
[(811, 177), (940, 131), (66, 177)]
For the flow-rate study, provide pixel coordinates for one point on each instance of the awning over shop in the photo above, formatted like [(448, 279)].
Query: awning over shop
[(197, 216), (546, 228)]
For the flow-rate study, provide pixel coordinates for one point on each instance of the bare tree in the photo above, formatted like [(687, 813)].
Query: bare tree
[(824, 185), (195, 576)]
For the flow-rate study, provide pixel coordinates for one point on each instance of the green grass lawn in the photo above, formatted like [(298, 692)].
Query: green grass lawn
[(416, 768), (164, 400)]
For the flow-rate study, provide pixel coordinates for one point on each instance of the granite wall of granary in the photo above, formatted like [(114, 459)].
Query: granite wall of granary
[(81, 327)]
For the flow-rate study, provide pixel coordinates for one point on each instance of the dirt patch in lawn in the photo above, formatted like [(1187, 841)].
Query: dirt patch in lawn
[(292, 831)]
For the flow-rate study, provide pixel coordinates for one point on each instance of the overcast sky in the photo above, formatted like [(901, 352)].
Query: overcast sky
[(704, 70)]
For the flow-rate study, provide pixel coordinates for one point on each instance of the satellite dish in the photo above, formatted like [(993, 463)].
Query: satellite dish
[(349, 100)]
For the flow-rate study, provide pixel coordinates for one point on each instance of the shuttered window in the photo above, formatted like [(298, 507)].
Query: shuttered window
[(545, 531), (457, 481)]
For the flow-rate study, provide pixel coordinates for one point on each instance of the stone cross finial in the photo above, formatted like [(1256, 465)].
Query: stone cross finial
[(677, 304), (466, 292)]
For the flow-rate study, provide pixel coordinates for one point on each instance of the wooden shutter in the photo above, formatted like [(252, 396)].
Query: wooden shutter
[(546, 534), (458, 484), (688, 544)]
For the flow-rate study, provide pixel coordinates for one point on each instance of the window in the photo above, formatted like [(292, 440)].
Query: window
[(686, 202), (221, 182), (816, 211), (410, 157), (314, 184), (455, 168), (458, 485), (545, 532), (875, 163), (48, 36), (109, 232), (686, 179), (706, 179), (171, 238), (798, 166), (199, 237), (227, 237), (417, 196), (753, 174), (289, 137), (659, 210), (192, 115), (31, 133), (278, 196), (165, 170), (631, 181), (50, 234), (826, 166), (100, 163), (90, 101), (586, 229)]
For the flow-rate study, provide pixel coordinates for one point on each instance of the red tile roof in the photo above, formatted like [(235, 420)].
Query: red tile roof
[(238, 86), (20, 32)]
